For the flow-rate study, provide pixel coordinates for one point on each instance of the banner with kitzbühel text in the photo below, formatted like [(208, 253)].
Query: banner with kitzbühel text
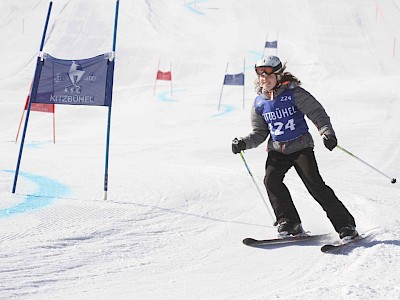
[(76, 82)]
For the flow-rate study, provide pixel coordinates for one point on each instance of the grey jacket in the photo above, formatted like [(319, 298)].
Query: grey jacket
[(307, 104)]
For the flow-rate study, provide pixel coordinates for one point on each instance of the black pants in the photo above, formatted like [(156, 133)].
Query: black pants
[(304, 162)]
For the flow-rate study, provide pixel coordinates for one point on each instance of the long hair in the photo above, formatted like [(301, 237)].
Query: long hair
[(287, 76)]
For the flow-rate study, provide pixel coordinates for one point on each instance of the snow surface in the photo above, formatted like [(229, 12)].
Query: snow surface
[(179, 202)]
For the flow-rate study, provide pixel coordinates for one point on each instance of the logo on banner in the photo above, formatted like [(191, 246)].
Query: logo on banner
[(58, 78), (75, 75)]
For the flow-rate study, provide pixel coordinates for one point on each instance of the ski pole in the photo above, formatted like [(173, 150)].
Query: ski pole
[(392, 180), (255, 183)]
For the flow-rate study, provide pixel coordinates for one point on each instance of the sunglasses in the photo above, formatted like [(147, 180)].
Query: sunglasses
[(266, 70)]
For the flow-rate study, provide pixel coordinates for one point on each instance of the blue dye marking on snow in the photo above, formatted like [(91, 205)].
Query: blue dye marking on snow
[(226, 109), (256, 55), (163, 96), (189, 5), (34, 145), (45, 187)]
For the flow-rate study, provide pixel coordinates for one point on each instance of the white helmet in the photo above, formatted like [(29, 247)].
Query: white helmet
[(270, 61)]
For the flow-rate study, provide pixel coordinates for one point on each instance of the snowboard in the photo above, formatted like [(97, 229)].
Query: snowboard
[(282, 241)]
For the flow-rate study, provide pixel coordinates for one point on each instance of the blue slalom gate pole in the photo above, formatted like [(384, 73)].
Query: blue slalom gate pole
[(32, 97), (109, 91)]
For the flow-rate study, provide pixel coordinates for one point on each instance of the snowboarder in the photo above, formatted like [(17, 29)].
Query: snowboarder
[(278, 112)]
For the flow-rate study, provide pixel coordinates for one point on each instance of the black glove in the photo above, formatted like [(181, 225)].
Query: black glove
[(238, 146), (330, 141)]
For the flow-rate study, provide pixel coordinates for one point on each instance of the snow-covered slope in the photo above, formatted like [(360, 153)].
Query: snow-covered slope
[(179, 202)]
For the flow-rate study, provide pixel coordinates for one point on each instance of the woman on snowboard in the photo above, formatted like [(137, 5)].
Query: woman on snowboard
[(278, 111)]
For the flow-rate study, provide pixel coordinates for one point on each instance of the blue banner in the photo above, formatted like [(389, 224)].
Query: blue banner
[(75, 82), (273, 44), (235, 79)]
